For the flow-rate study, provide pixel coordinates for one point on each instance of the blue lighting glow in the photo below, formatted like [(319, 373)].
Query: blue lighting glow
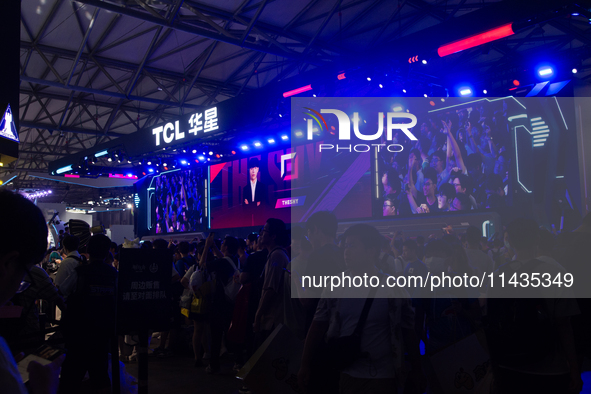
[(545, 71), (465, 91), (150, 170), (284, 137), (271, 140), (201, 157), (258, 144), (64, 169), (244, 147), (184, 162), (101, 153)]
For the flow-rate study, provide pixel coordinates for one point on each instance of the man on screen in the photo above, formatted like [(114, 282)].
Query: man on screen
[(254, 193)]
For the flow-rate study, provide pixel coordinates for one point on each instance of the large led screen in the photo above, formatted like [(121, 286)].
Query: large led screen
[(289, 184), (176, 202)]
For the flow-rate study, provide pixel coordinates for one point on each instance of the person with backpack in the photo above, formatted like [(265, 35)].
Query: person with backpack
[(529, 330), (224, 271), (72, 260), (89, 321)]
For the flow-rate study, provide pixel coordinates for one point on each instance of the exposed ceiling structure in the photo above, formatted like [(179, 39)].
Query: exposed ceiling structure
[(94, 70)]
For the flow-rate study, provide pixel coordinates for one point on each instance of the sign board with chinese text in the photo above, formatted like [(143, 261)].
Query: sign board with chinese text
[(143, 297)]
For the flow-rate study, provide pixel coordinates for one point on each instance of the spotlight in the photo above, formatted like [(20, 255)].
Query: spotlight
[(233, 152), (281, 116), (109, 159), (150, 170), (194, 151), (165, 165), (465, 91), (403, 90), (210, 153), (244, 147), (257, 144), (381, 86), (515, 82), (149, 163), (425, 95), (484, 91), (574, 70), (368, 78), (271, 140), (424, 61), (201, 158), (184, 162), (284, 137), (545, 71)]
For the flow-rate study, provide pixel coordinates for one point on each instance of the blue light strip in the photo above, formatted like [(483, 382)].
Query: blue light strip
[(64, 169), (101, 153)]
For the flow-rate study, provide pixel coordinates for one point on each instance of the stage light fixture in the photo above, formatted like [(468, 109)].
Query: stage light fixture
[(299, 134), (284, 137), (515, 82), (574, 71), (484, 91), (465, 92), (381, 86), (194, 151), (545, 71), (476, 40), (424, 61), (201, 158), (258, 144), (368, 78), (184, 162), (297, 91), (210, 153), (271, 140), (150, 170), (244, 147), (403, 90), (109, 159)]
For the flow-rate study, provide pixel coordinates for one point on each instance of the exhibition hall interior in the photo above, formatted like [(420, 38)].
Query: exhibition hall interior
[(316, 196)]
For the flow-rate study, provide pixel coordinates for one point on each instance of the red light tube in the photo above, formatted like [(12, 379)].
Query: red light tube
[(297, 91), (476, 40)]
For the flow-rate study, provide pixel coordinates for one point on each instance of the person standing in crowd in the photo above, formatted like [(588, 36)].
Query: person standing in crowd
[(274, 237), (41, 288), (251, 241), (390, 205), (325, 259), (222, 269), (389, 328), (186, 261), (242, 254), (427, 201), (445, 196), (461, 202), (70, 263), (463, 185), (294, 312), (414, 266), (531, 339), (478, 260), (89, 322), (24, 241)]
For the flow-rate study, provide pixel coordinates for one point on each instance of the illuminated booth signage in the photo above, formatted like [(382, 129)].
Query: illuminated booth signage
[(199, 122), (9, 141)]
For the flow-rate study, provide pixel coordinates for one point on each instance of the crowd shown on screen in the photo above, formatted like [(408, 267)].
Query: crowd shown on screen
[(177, 202), (468, 149), (235, 292)]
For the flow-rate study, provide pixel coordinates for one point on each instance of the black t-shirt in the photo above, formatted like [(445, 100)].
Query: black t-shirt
[(421, 199), (255, 263)]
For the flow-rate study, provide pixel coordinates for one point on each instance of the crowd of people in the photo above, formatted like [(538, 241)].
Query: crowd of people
[(236, 291), (177, 202), (459, 162)]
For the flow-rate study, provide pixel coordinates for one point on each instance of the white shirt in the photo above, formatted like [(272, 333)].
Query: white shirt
[(253, 186)]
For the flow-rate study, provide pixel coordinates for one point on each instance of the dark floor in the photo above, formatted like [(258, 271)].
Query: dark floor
[(176, 374)]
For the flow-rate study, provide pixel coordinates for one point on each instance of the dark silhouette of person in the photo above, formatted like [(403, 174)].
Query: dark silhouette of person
[(254, 193)]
